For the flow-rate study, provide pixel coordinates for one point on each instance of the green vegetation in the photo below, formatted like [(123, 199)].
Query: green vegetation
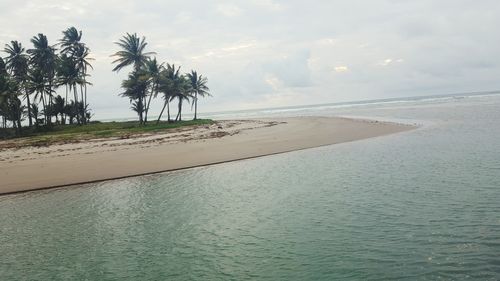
[(96, 130), (36, 74), (148, 78), (30, 80)]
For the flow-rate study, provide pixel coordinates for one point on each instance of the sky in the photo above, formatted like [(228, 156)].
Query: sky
[(271, 53)]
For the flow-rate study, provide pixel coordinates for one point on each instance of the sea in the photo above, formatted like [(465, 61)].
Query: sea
[(418, 205)]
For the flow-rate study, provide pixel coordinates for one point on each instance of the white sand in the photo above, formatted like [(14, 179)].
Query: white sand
[(58, 165)]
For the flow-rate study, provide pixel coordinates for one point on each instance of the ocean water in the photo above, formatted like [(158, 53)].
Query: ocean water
[(419, 205)]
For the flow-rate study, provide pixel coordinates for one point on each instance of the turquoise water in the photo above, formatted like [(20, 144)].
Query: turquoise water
[(420, 205)]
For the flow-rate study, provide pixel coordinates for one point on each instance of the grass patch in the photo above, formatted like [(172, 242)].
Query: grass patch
[(75, 133)]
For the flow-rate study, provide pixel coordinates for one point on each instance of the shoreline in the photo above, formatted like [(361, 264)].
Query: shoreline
[(56, 166)]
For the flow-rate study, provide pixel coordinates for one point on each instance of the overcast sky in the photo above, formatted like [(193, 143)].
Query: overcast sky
[(267, 53)]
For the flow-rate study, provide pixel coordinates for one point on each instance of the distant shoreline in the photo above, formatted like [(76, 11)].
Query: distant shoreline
[(34, 168)]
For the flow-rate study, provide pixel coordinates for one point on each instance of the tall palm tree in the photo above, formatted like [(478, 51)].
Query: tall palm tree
[(182, 94), (67, 74), (44, 59), (11, 108), (199, 88), (74, 48), (169, 84), (152, 70), (17, 63), (82, 61), (37, 85), (131, 53), (71, 39), (4, 92), (43, 55)]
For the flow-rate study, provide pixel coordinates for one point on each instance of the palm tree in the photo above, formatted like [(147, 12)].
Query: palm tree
[(11, 108), (81, 56), (76, 50), (71, 110), (132, 52), (71, 39), (138, 107), (44, 59), (152, 70), (17, 63), (67, 74), (35, 113), (169, 85), (14, 111), (71, 76), (4, 92), (59, 103), (182, 94), (136, 87), (36, 84), (199, 88)]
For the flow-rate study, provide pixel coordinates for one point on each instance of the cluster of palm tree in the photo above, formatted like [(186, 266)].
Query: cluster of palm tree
[(149, 78), (35, 75)]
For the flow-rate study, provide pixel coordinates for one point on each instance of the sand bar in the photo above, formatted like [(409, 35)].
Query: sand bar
[(32, 168)]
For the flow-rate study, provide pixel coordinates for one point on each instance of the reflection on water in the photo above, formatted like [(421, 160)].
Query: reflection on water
[(422, 204)]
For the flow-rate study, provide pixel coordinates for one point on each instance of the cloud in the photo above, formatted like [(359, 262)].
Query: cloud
[(229, 10), (388, 62), (269, 5), (341, 68), (274, 82), (272, 52)]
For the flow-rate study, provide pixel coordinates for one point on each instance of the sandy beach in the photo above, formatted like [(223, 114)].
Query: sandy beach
[(31, 168)]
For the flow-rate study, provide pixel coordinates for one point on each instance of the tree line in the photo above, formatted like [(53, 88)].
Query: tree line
[(29, 80), (149, 79)]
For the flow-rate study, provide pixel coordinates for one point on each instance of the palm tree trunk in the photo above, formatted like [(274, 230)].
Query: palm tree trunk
[(18, 118), (179, 111), (148, 104), (195, 104), (66, 100), (86, 104), (161, 113), (50, 98), (44, 107), (29, 108), (143, 112), (168, 111), (85, 87), (140, 107), (83, 100), (75, 92), (50, 106), (15, 127)]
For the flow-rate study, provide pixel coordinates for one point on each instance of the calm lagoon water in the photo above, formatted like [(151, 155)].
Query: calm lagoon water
[(420, 205)]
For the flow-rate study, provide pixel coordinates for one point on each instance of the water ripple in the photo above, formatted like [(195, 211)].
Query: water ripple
[(419, 206)]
